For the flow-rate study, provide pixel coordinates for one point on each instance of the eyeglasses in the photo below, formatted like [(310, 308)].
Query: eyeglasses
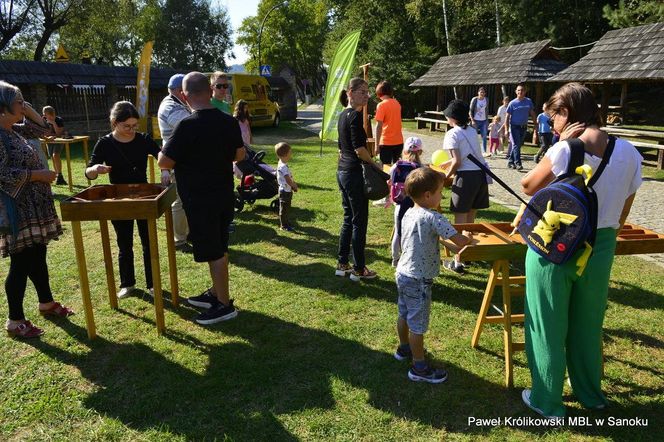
[(221, 86), (129, 126)]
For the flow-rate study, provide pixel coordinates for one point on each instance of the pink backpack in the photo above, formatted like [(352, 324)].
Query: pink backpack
[(398, 177)]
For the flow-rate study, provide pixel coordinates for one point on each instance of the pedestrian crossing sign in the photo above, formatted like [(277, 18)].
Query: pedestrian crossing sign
[(266, 70)]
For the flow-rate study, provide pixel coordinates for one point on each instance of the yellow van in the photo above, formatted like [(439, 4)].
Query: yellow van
[(256, 91)]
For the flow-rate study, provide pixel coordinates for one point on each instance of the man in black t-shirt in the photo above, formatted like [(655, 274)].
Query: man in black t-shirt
[(202, 150)]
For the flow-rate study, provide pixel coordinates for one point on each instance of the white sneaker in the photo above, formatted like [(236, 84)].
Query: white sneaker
[(151, 292), (125, 292), (380, 202), (525, 396)]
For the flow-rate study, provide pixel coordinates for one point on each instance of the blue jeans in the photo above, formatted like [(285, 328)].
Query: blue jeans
[(482, 126), (356, 217), (517, 135)]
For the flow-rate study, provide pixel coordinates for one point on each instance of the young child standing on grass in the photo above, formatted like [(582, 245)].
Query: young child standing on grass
[(494, 135), (58, 125), (419, 264), (398, 174), (286, 184)]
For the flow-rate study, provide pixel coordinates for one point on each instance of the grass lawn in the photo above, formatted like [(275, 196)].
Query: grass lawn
[(310, 355)]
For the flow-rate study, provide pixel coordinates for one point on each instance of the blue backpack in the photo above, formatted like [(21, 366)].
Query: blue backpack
[(398, 177), (561, 218)]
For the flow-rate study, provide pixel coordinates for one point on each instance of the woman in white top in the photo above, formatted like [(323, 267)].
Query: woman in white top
[(469, 189), (564, 311)]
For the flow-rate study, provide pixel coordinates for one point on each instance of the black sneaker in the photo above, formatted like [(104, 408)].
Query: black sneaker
[(519, 167), (401, 354), (452, 267), (511, 166), (430, 375), (60, 180), (205, 300), (217, 313)]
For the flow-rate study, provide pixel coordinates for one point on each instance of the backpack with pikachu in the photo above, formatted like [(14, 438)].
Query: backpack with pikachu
[(561, 218)]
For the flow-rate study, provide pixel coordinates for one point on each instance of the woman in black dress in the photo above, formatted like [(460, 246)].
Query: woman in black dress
[(123, 154)]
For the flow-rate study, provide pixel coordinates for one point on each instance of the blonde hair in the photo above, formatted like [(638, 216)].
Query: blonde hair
[(282, 149), (413, 157), (496, 118), (48, 110), (216, 75)]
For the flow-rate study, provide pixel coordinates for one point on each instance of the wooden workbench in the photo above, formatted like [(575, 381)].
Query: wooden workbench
[(66, 142)]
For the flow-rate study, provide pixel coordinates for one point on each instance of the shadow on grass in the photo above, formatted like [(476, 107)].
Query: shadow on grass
[(282, 369), (634, 296)]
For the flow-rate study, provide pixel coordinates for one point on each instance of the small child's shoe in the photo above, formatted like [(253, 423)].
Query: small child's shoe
[(287, 228), (343, 269), (364, 274), (429, 374)]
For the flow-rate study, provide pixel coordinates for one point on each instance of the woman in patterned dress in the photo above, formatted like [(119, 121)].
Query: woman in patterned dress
[(30, 219)]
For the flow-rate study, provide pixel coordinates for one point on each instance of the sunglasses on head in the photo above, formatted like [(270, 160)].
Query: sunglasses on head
[(221, 86)]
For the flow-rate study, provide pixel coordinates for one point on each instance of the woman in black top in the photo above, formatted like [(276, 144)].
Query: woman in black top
[(123, 154), (352, 152)]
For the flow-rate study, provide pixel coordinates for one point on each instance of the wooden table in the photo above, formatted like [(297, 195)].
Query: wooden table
[(67, 141), (494, 244), (122, 202)]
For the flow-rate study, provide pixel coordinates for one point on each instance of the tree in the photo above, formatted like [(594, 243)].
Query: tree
[(13, 17), (630, 13), (192, 36), (112, 31), (293, 35), (54, 15)]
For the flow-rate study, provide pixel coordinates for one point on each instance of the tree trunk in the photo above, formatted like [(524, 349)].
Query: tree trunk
[(43, 41)]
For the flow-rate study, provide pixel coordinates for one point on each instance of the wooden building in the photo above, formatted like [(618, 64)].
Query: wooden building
[(631, 56), (529, 63), (82, 94)]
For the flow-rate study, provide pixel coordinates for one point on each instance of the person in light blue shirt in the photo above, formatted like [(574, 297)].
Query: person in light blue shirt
[(517, 123), (545, 133)]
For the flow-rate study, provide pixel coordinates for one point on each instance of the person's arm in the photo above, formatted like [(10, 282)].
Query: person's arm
[(291, 183), (57, 128), (625, 211), (508, 117), (240, 153), (461, 240), (455, 161), (533, 115), (538, 178), (379, 131), (165, 162), (471, 110), (96, 164)]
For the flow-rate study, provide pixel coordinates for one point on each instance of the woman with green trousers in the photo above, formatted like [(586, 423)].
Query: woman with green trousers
[(565, 306)]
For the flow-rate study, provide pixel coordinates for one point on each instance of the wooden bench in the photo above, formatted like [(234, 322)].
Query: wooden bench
[(651, 146), (433, 123)]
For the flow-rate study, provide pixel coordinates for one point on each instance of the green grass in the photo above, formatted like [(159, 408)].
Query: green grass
[(309, 356)]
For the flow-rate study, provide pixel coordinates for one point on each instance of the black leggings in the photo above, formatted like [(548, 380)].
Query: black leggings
[(28, 263)]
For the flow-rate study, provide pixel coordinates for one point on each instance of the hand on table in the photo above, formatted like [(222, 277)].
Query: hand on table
[(101, 168)]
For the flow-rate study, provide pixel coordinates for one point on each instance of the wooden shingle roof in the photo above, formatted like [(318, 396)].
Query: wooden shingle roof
[(623, 54), (527, 62), (23, 72)]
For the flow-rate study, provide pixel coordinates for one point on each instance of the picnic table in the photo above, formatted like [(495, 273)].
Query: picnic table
[(639, 134), (67, 141), (434, 120)]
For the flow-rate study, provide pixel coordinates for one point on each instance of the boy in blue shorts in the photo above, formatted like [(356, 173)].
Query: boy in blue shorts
[(419, 264)]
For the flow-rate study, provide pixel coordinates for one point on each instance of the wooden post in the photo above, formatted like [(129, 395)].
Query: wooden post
[(486, 303), (440, 98), (151, 167), (83, 277), (68, 155), (605, 101), (507, 322), (365, 115), (156, 276), (539, 96), (85, 155), (108, 263), (623, 97), (172, 263)]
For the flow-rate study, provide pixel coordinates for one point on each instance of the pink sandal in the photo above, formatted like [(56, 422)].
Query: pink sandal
[(25, 330), (57, 310)]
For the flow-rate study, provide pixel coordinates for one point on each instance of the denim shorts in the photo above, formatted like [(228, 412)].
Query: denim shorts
[(414, 302)]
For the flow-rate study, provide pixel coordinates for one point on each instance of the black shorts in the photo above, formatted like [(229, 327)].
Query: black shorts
[(469, 191), (390, 154), (208, 230)]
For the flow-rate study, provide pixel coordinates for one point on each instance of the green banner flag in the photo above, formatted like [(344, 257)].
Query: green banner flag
[(338, 76)]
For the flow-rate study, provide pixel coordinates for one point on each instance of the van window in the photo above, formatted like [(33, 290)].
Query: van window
[(247, 93), (259, 90)]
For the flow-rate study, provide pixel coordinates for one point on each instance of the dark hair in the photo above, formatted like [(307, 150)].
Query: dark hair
[(239, 113), (385, 88), (353, 84), (523, 85), (122, 111), (579, 103), (282, 149), (481, 88), (421, 180)]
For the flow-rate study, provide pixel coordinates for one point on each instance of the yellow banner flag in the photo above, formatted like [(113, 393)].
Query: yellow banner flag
[(143, 87)]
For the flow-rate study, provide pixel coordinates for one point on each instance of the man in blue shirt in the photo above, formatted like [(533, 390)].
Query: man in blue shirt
[(544, 132), (516, 123)]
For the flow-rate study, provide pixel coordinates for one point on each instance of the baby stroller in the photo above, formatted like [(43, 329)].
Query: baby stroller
[(257, 181)]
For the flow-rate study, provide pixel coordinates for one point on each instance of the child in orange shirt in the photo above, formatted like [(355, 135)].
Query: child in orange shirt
[(388, 128)]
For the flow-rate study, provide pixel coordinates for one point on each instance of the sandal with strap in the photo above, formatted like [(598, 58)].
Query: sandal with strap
[(25, 330), (58, 310)]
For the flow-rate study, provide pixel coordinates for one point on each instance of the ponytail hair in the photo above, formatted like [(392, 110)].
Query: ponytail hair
[(353, 84)]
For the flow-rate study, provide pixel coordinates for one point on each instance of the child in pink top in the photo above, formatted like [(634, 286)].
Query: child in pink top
[(494, 134), (241, 114)]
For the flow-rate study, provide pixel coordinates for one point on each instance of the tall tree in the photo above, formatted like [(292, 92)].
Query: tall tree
[(293, 35), (54, 15), (191, 35), (634, 12), (13, 17)]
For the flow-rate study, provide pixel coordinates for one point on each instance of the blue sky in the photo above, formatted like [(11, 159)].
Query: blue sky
[(238, 10)]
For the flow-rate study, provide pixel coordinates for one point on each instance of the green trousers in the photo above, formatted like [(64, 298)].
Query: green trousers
[(564, 316)]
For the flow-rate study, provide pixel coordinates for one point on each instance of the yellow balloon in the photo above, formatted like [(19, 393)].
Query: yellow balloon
[(438, 157)]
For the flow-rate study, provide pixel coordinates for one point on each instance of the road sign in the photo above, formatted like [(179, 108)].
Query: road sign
[(266, 70), (61, 55)]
